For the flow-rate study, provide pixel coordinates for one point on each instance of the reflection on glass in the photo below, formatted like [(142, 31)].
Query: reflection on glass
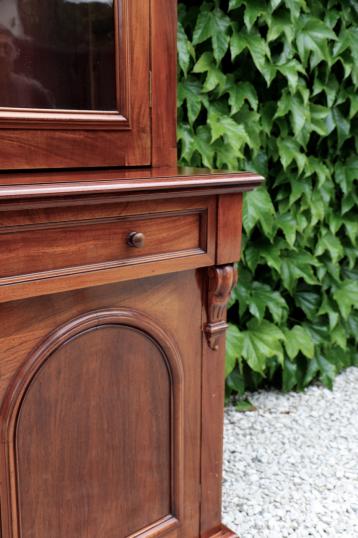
[(57, 54)]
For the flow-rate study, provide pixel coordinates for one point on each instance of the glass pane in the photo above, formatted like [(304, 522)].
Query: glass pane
[(57, 54)]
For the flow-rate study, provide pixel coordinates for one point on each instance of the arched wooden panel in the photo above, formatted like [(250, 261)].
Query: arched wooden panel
[(92, 432)]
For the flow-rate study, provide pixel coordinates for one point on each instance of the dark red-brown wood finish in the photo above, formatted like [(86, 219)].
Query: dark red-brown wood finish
[(114, 284), (133, 134)]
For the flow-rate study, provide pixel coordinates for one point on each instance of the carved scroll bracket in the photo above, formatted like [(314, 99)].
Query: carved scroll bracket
[(222, 279)]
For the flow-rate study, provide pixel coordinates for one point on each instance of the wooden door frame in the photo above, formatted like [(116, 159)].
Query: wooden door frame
[(41, 139), (164, 81)]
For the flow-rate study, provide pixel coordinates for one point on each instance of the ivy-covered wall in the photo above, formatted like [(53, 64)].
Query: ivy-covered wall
[(271, 86)]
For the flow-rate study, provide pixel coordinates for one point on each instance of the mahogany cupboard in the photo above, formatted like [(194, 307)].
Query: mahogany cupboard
[(115, 271)]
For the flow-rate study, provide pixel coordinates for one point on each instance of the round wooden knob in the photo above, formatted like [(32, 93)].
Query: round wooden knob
[(136, 239)]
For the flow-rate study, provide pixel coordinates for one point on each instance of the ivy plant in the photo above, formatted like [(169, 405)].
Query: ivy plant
[(271, 86)]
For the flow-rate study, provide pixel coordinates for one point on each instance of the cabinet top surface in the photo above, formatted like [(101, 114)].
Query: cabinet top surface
[(140, 182)]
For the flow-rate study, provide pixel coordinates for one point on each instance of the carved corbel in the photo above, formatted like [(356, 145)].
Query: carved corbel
[(221, 280)]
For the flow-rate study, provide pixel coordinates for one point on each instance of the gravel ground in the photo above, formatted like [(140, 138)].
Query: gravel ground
[(291, 467)]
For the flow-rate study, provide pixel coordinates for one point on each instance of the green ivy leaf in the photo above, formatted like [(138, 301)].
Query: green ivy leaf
[(189, 91), (233, 348), (342, 125), (239, 93), (327, 307), (299, 115), (258, 208), (234, 4), (318, 208), (352, 323), (254, 8), (353, 105), (186, 50), (327, 371), (203, 28), (346, 173), (346, 296), (289, 375), (204, 146), (261, 340), (266, 253), (295, 266), (289, 151), (275, 3), (214, 25), (204, 64), (258, 50), (330, 87), (312, 37), (280, 23), (300, 240), (298, 339), (311, 372), (351, 226), (233, 133), (321, 120), (214, 79), (185, 136), (290, 70), (300, 189), (220, 39), (316, 166), (262, 297), (328, 242), (236, 381), (295, 6), (339, 337), (244, 406), (349, 201), (287, 223)]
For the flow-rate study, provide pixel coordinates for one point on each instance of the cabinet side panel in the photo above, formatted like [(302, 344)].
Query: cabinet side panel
[(220, 281), (212, 435)]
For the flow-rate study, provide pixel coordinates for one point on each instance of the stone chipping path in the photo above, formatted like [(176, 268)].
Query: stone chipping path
[(291, 467)]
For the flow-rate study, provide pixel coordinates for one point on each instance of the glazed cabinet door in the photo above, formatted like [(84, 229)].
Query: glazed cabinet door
[(74, 83), (100, 411)]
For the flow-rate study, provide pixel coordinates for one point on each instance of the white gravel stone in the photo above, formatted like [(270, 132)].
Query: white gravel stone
[(291, 467)]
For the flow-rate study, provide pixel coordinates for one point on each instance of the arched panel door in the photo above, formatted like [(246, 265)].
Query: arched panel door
[(93, 433)]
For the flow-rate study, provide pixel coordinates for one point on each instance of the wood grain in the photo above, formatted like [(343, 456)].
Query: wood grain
[(218, 287), (174, 172), (112, 357), (222, 279), (32, 142), (101, 457), (59, 249), (42, 248), (137, 183), (96, 366), (229, 228), (164, 81), (220, 532)]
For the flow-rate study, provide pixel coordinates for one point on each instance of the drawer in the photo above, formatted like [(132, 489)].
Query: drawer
[(48, 249)]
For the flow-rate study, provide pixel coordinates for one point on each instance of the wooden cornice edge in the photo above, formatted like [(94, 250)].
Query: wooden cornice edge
[(163, 184)]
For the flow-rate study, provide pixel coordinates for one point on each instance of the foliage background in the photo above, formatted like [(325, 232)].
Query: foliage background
[(271, 86)]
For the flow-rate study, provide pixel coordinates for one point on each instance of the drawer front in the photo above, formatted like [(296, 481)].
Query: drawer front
[(81, 244), (65, 243)]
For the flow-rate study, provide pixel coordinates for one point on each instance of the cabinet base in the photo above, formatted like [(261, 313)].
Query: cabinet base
[(220, 532)]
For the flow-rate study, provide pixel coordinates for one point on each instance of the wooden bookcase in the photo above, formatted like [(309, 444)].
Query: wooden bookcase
[(116, 269)]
